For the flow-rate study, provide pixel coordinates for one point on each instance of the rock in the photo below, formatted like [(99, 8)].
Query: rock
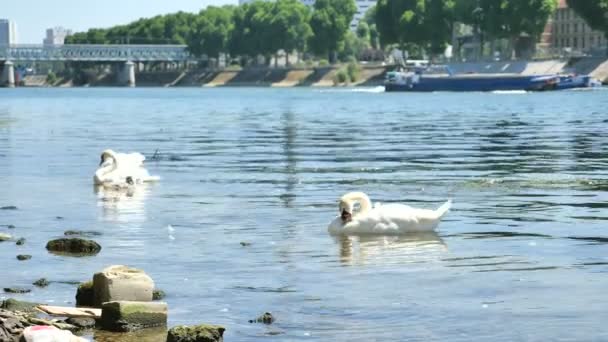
[(197, 333), (266, 318), (81, 233), (124, 316), (84, 294), (73, 246), (81, 322), (158, 294), (11, 326), (20, 242), (8, 207), (245, 244), (16, 290), (5, 237), (22, 257), (116, 283), (42, 282), (10, 226), (18, 305), (55, 323)]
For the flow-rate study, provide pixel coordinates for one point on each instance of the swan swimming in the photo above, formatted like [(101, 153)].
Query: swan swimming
[(383, 219), (122, 170)]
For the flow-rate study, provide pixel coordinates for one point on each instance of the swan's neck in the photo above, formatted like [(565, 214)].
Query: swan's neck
[(364, 202), (105, 169)]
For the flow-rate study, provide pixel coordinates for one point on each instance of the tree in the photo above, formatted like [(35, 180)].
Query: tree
[(418, 24), (251, 35), (289, 22), (438, 20), (506, 18), (595, 13), (211, 31), (330, 22)]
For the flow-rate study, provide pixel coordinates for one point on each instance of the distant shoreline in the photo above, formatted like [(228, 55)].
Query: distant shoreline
[(282, 77)]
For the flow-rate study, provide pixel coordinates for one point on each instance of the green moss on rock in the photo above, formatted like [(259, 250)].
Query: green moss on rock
[(197, 333), (125, 316), (18, 305), (158, 294), (84, 294)]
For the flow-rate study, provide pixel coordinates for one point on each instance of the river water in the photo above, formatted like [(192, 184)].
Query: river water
[(523, 255)]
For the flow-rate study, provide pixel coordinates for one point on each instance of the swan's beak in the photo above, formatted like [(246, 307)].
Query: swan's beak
[(346, 216), (101, 161)]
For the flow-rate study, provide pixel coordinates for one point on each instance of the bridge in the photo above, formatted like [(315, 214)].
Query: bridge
[(126, 54)]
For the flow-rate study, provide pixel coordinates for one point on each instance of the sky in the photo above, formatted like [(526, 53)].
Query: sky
[(33, 17)]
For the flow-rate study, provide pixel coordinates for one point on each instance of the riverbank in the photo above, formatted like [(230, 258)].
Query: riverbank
[(322, 76)]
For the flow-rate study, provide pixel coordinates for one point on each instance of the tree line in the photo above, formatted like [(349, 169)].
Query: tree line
[(264, 27)]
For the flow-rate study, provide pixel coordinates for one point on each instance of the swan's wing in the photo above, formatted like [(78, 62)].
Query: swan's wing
[(407, 218), (135, 158)]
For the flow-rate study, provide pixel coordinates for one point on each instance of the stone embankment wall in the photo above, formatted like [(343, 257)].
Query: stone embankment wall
[(324, 76)]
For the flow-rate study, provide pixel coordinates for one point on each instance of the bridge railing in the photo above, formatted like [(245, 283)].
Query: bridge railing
[(95, 53)]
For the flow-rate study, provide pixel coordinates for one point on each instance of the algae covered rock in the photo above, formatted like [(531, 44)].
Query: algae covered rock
[(81, 322), (42, 282), (84, 294), (18, 305), (20, 242), (124, 316), (5, 237), (23, 257), (197, 333), (73, 246), (158, 294), (16, 290), (118, 282), (266, 318)]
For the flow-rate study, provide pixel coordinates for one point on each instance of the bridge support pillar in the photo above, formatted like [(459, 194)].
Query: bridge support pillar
[(126, 75), (7, 77)]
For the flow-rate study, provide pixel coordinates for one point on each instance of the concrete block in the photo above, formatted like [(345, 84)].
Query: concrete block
[(124, 316), (122, 283)]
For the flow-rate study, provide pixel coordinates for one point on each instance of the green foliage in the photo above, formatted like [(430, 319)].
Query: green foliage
[(506, 18), (330, 22), (425, 23), (323, 62), (340, 77), (595, 13), (353, 69), (163, 29), (211, 31), (349, 74), (51, 78)]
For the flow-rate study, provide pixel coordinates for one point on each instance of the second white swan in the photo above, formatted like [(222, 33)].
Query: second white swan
[(122, 169), (384, 219)]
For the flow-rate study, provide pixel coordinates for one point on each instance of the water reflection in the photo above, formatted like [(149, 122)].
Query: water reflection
[(290, 134), (411, 248), (122, 204)]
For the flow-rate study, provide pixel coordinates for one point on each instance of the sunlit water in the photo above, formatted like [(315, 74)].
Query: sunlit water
[(523, 255)]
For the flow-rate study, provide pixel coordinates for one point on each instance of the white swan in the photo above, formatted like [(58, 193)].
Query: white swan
[(122, 169), (383, 219)]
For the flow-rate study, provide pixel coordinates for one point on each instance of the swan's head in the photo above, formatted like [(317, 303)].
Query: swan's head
[(106, 156), (347, 204), (346, 212)]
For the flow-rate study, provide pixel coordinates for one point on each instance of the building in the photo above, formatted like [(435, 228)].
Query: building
[(362, 7), (570, 32), (8, 32), (56, 36)]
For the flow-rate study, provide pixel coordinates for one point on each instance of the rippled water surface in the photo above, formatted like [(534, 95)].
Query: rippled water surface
[(523, 255)]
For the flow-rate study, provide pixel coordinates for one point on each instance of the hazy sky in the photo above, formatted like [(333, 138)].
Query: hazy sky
[(33, 17)]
